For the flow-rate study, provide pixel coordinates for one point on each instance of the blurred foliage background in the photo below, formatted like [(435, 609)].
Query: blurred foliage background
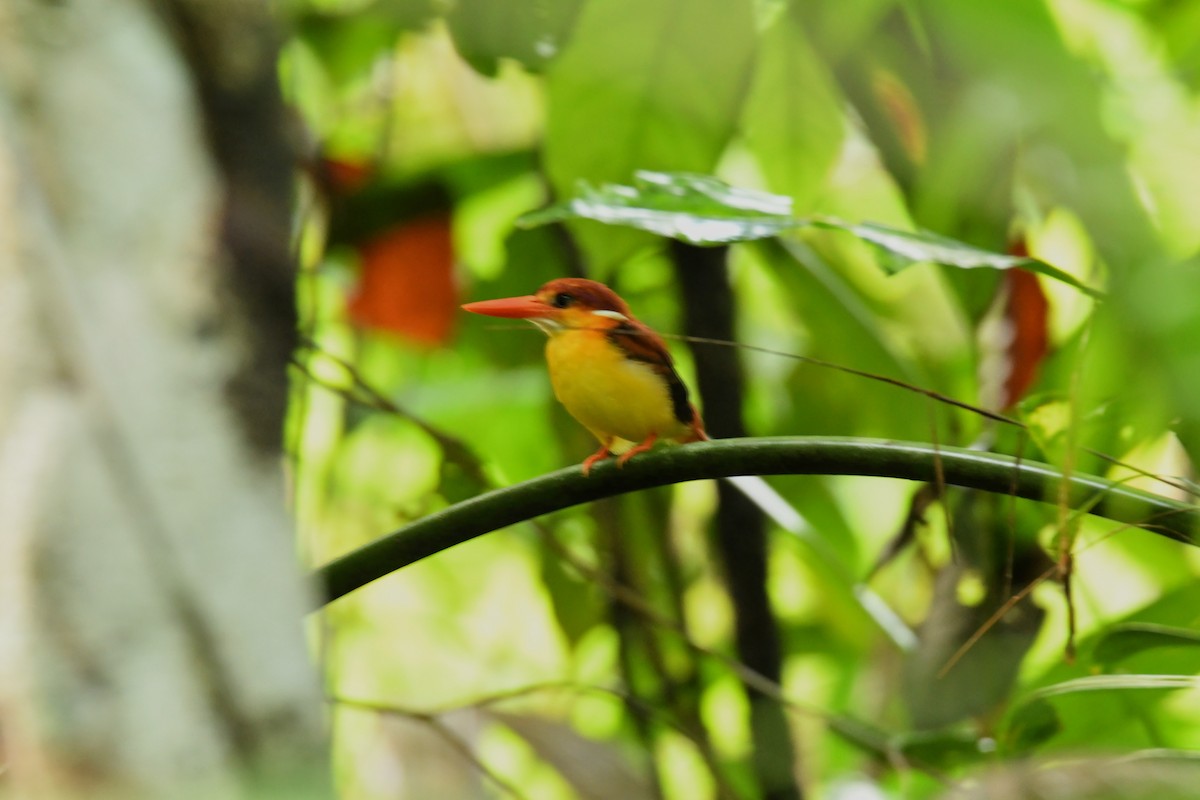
[(671, 643)]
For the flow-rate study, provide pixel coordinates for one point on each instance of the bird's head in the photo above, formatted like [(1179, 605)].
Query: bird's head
[(562, 304)]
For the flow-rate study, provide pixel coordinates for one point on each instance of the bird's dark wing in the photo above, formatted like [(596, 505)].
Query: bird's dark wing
[(642, 344)]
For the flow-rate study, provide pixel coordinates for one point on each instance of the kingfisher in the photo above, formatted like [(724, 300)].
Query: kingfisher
[(613, 373)]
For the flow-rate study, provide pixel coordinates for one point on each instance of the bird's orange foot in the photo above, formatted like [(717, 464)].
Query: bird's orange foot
[(599, 455), (646, 444)]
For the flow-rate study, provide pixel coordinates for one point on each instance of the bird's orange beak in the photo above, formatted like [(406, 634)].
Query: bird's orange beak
[(526, 307)]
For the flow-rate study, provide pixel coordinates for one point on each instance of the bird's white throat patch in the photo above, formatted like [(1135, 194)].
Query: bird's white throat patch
[(617, 315), (547, 325)]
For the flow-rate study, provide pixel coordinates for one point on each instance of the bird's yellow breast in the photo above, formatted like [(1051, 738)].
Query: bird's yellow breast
[(610, 394)]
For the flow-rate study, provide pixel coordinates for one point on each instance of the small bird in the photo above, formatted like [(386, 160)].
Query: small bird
[(616, 377), (611, 372)]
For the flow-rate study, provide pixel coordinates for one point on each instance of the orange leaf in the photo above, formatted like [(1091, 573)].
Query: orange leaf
[(407, 281)]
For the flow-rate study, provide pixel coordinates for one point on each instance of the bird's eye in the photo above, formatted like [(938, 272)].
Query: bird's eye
[(562, 300)]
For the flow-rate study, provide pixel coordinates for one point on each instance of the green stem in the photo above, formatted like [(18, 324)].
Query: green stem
[(753, 456)]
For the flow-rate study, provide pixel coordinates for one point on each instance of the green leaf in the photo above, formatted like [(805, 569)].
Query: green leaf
[(909, 247), (645, 84), (1034, 720), (409, 14), (943, 748), (703, 210), (1163, 754), (1116, 683), (1064, 105), (1127, 639), (348, 45), (794, 119), (530, 32), (1038, 722)]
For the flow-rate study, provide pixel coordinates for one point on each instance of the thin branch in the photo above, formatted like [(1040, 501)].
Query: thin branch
[(362, 392), (447, 734)]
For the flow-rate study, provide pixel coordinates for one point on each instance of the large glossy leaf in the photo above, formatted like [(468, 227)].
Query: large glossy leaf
[(653, 95), (794, 119), (692, 208), (645, 84), (702, 210)]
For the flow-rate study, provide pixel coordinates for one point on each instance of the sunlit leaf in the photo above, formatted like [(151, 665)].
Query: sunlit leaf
[(1126, 639), (794, 118), (645, 84)]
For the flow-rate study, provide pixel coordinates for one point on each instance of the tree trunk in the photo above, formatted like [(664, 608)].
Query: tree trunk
[(151, 606)]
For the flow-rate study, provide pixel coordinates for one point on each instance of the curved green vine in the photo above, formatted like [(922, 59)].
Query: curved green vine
[(754, 456)]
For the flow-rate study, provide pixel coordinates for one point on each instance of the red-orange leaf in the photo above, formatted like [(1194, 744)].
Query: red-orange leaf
[(1029, 312), (407, 281), (1013, 338)]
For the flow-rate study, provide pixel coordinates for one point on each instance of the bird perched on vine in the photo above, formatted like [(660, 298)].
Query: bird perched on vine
[(611, 372)]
